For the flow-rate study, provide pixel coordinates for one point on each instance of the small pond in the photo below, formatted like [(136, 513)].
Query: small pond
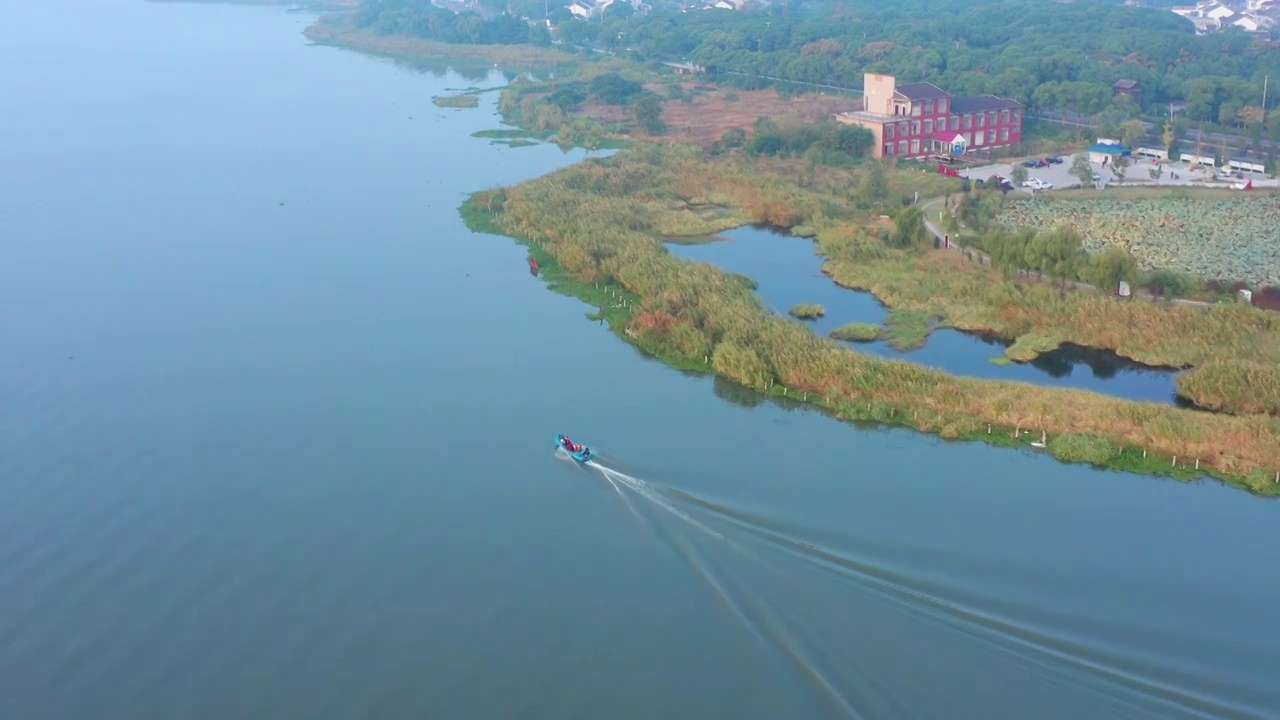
[(788, 271)]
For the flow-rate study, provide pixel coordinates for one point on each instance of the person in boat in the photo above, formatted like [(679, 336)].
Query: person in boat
[(568, 445)]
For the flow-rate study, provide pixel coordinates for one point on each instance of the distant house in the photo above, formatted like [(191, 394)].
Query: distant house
[(588, 9), (1253, 23), (1131, 88), (686, 68), (921, 119)]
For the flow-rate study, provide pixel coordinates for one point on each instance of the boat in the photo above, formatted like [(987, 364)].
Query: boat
[(581, 453)]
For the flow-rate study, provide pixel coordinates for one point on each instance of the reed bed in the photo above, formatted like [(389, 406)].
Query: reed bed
[(594, 225)]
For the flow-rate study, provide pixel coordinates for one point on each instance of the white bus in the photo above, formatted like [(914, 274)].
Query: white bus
[(1247, 166)]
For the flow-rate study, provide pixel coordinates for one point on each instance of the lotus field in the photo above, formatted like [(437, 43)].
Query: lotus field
[(1233, 238)]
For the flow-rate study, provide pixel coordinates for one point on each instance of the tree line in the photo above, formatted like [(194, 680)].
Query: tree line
[(1053, 55), (421, 19)]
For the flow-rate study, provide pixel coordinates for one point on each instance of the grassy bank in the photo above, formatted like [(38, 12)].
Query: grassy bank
[(596, 229), (337, 30), (974, 297)]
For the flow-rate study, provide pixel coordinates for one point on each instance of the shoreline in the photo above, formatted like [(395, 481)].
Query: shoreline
[(1079, 426), (333, 30), (1067, 418)]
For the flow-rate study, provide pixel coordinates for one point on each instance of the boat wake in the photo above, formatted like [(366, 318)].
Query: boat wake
[(750, 562)]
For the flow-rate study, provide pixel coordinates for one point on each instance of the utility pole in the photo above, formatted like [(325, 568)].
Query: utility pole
[(1264, 97)]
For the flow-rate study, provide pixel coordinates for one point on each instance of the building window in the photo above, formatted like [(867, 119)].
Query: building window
[(1004, 116), (969, 139), (1004, 135), (928, 107), (888, 130), (955, 122), (991, 118), (902, 147), (980, 138), (982, 120), (942, 105), (915, 127), (928, 127), (915, 109), (968, 121), (915, 147), (1017, 115), (888, 148)]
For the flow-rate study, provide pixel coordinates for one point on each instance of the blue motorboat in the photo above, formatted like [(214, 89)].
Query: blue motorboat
[(581, 453)]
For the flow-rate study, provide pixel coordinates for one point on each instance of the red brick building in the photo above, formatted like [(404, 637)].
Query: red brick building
[(921, 119)]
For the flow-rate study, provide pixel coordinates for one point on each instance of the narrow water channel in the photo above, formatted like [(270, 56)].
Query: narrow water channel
[(788, 271)]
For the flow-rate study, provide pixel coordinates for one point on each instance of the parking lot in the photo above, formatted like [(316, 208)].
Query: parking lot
[(1138, 173)]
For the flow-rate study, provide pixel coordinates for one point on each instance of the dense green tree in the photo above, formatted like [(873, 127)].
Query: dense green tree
[(1082, 170), (1018, 175), (1053, 55), (648, 114), (1107, 269)]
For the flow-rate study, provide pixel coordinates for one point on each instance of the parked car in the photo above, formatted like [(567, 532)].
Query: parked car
[(1056, 160), (1031, 163)]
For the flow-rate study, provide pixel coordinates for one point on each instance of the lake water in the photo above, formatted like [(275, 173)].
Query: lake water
[(275, 442), (788, 272)]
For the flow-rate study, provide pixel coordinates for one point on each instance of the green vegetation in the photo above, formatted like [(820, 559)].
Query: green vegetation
[(907, 329), (557, 107), (1082, 448), (1227, 238), (1239, 386), (806, 311), (413, 18), (972, 296), (501, 134), (857, 332), (791, 137), (1031, 346), (338, 30), (456, 101), (1047, 55), (600, 224)]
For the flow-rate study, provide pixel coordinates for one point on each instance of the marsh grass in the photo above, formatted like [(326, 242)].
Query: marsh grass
[(1237, 386), (1031, 346), (456, 101), (907, 329), (807, 311), (857, 332), (502, 134), (596, 225), (338, 31), (973, 297)]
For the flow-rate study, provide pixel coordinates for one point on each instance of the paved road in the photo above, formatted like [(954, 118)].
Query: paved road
[(1210, 139)]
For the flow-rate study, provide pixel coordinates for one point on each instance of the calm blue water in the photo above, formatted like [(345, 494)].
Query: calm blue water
[(788, 272), (264, 460)]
